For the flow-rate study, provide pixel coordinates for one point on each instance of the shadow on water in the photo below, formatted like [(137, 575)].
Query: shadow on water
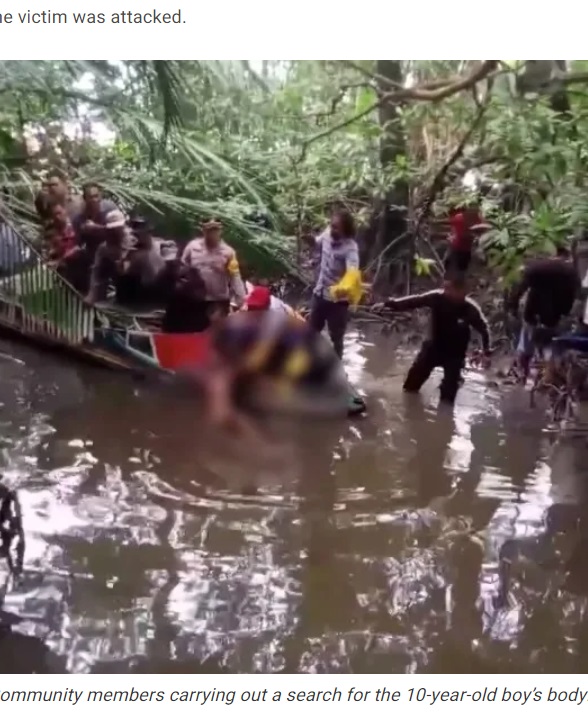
[(414, 539)]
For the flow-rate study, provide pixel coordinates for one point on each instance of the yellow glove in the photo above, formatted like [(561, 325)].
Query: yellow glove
[(350, 287)]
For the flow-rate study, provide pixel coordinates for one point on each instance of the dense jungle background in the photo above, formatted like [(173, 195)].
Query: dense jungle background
[(414, 540), (269, 146)]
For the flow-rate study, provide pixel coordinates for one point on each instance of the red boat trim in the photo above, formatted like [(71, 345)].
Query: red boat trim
[(176, 352)]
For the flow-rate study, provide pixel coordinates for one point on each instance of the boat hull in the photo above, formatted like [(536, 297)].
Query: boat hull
[(176, 353), (38, 305)]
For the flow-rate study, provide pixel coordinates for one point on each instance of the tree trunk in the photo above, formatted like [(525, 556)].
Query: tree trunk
[(391, 210)]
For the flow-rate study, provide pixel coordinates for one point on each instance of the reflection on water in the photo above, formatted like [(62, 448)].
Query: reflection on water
[(414, 539)]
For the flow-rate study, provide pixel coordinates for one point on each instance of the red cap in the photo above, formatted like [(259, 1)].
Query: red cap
[(259, 298)]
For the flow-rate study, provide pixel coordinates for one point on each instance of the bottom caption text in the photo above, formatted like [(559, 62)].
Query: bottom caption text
[(351, 695)]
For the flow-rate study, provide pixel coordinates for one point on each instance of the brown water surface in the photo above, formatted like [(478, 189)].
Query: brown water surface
[(413, 539)]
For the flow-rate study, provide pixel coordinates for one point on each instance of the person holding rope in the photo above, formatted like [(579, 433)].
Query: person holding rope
[(62, 237)]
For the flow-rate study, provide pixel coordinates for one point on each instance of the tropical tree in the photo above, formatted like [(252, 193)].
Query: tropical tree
[(398, 141)]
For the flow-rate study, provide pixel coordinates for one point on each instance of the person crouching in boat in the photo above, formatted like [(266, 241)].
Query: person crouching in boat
[(187, 310), (260, 349)]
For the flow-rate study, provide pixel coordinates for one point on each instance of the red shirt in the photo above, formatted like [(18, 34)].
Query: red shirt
[(461, 236), (65, 241)]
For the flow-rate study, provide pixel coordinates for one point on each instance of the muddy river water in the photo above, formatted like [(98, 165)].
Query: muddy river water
[(413, 539)]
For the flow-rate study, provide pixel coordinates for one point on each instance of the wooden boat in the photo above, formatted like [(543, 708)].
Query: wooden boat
[(37, 304)]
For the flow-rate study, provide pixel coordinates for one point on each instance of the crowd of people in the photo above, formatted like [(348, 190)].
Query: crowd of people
[(555, 313), (95, 247), (102, 253)]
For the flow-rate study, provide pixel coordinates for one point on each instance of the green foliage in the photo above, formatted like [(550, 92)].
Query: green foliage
[(194, 139), (542, 163), (423, 266)]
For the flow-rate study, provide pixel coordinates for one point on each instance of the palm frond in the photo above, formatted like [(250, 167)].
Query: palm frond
[(136, 169), (143, 130)]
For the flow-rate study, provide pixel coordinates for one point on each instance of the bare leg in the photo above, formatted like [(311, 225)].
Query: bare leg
[(525, 351), (225, 414), (219, 393)]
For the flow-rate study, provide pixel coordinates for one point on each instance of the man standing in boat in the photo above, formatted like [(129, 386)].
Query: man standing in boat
[(339, 280), (92, 212), (62, 244), (111, 256), (217, 263), (55, 190), (143, 268), (186, 311)]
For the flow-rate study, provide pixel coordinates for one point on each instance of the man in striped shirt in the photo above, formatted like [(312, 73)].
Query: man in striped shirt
[(453, 314)]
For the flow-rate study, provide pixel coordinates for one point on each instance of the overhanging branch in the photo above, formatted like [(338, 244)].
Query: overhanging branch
[(482, 71), (485, 70), (337, 127), (427, 91)]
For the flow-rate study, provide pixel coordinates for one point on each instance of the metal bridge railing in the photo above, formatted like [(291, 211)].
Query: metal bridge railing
[(35, 298)]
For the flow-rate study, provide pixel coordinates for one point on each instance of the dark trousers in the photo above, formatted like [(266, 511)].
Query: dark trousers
[(185, 314), (429, 357), (332, 314), (76, 271), (220, 307), (458, 260)]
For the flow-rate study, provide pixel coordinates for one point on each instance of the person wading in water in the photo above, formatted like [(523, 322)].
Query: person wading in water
[(453, 314), (339, 280), (552, 286)]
